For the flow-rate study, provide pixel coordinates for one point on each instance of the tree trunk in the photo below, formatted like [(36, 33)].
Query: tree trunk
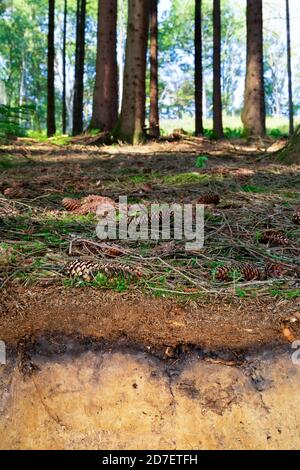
[(132, 120), (198, 69), (79, 68), (105, 103), (253, 115), (154, 111), (51, 128), (217, 97), (291, 153), (64, 104), (289, 68)]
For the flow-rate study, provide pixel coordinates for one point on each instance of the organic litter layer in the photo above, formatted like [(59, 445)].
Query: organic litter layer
[(212, 323)]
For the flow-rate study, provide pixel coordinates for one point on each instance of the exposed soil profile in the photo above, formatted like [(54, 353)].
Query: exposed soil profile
[(213, 323), (88, 399)]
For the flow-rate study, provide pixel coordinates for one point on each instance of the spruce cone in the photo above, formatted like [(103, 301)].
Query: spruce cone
[(245, 271), (87, 270), (275, 271), (296, 217), (115, 269), (71, 204), (91, 203), (86, 205), (209, 198), (274, 237)]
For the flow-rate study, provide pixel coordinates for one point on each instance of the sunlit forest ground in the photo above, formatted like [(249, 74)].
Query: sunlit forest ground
[(40, 236), (233, 126)]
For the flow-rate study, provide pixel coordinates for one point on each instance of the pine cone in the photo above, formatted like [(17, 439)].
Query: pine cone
[(275, 271), (274, 237), (111, 269), (296, 217), (71, 204), (85, 270), (245, 271), (209, 198), (91, 203), (86, 205)]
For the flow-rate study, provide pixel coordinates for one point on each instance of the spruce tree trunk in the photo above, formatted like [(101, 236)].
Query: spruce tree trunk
[(198, 69), (154, 111), (289, 68), (217, 96), (253, 115), (105, 103), (64, 104), (79, 68), (132, 119), (51, 127), (291, 153)]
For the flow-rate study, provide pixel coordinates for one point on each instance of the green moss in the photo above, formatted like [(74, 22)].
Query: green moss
[(190, 178)]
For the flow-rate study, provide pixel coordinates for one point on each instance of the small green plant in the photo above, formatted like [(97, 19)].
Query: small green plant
[(241, 293), (201, 161), (248, 188), (286, 294)]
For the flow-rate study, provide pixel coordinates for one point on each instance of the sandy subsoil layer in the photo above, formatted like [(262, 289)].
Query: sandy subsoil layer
[(103, 400)]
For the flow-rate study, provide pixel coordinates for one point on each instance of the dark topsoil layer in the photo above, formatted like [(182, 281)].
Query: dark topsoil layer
[(212, 323)]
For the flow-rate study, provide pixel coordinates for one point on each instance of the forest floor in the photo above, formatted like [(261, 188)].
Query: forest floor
[(178, 301)]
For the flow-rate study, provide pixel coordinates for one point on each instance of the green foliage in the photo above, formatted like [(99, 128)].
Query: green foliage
[(12, 119), (248, 188), (241, 293), (201, 161), (286, 294)]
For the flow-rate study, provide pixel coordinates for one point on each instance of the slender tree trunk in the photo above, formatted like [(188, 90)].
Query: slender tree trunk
[(253, 116), (121, 29), (79, 68), (154, 111), (198, 69), (64, 104), (217, 96), (51, 128), (105, 103), (132, 119), (289, 67)]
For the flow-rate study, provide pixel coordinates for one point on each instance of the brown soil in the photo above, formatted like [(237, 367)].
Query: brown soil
[(153, 324)]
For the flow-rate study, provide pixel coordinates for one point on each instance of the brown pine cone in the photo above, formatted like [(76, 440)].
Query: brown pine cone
[(111, 269), (71, 204), (274, 237), (90, 204), (85, 270), (296, 217), (222, 273), (209, 198), (275, 271), (245, 271)]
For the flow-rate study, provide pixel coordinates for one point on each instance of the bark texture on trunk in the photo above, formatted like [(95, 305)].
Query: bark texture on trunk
[(289, 68), (198, 69), (105, 103), (154, 110), (291, 153), (64, 104), (217, 95), (253, 115), (51, 127), (79, 68), (132, 120)]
